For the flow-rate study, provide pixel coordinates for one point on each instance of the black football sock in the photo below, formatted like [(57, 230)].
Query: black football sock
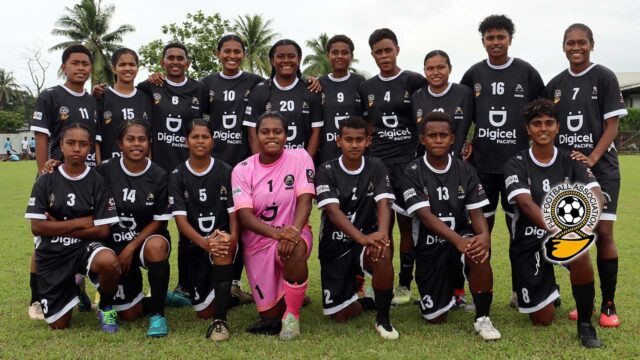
[(183, 260), (158, 282), (238, 264), (584, 296), (483, 301), (146, 305), (383, 303), (33, 283), (608, 272), (406, 269), (222, 277), (106, 300)]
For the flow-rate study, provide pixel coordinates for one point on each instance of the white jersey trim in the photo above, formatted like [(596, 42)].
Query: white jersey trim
[(231, 210), (477, 205), (232, 77), (398, 209), (338, 308), (443, 171), (620, 113), (390, 78), (207, 301), (286, 88), (129, 173), (516, 192), (324, 202), (608, 217), (317, 124), (35, 216), (129, 305), (202, 173), (163, 217), (179, 213), (175, 84), (384, 196), (354, 172), (70, 305), (107, 221), (583, 71), (124, 96), (437, 313), (445, 92), (420, 205), (541, 164), (342, 79), (593, 184), (40, 130), (500, 67), (248, 123), (551, 298), (76, 94), (72, 178)]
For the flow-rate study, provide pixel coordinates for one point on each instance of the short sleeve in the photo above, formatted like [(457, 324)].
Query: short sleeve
[(176, 199), (463, 125), (37, 204), (416, 81), (42, 115), (105, 205), (316, 110), (241, 187), (255, 106), (467, 78), (515, 178), (476, 196), (227, 184), (582, 174), (612, 102), (326, 190), (412, 189), (145, 87), (536, 84), (382, 185), (161, 210), (306, 174)]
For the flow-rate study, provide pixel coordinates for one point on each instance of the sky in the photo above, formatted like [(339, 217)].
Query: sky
[(421, 26)]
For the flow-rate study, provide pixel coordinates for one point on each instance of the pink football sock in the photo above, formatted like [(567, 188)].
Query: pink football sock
[(294, 297)]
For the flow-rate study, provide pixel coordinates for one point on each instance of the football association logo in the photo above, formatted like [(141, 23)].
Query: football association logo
[(571, 212)]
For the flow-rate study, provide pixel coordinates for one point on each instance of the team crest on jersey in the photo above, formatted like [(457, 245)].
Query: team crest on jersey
[(557, 93), (571, 212), (370, 100), (156, 98), (111, 204), (52, 199), (519, 92), (288, 181), (64, 113), (311, 176), (195, 101), (305, 107), (460, 192), (107, 117), (419, 114), (150, 199), (594, 93), (477, 88), (267, 107)]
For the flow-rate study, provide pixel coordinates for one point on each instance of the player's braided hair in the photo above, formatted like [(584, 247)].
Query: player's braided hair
[(75, 125), (272, 52), (499, 22), (122, 129), (539, 108), (579, 26)]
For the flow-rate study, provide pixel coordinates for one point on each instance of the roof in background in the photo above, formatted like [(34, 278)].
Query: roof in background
[(628, 80)]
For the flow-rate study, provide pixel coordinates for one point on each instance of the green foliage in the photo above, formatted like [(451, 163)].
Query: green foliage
[(199, 34), (317, 63), (631, 122), (8, 89), (88, 23), (258, 38), (10, 121)]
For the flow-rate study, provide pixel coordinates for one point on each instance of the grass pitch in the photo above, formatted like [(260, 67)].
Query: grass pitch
[(321, 338)]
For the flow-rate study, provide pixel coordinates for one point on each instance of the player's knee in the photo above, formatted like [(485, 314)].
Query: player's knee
[(543, 317), (156, 248), (299, 252), (106, 262)]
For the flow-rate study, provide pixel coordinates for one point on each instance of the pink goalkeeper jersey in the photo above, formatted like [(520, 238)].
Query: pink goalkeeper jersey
[(271, 191)]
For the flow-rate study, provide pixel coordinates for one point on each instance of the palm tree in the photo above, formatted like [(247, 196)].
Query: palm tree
[(87, 23), (8, 88), (258, 38), (317, 62)]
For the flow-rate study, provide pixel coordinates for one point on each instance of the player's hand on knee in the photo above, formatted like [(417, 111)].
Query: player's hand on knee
[(220, 244), (125, 258), (285, 249), (478, 248), (98, 90), (375, 252), (156, 79)]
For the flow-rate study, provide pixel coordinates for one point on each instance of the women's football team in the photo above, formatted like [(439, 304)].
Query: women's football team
[(392, 143)]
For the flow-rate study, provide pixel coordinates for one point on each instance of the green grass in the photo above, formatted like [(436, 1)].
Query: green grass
[(23, 338)]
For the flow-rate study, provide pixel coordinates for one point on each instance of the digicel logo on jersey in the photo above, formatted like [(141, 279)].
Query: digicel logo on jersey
[(228, 136), (395, 134), (173, 140), (576, 140), (499, 136)]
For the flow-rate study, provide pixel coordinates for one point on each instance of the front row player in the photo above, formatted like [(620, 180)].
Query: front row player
[(203, 209), (528, 177), (445, 198), (71, 213), (355, 194), (272, 193)]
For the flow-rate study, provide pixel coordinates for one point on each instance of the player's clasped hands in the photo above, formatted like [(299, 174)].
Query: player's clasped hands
[(219, 243), (478, 248), (289, 236), (375, 244)]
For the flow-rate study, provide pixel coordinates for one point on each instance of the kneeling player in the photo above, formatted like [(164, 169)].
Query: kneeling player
[(203, 209), (443, 193), (354, 237), (70, 212), (528, 177)]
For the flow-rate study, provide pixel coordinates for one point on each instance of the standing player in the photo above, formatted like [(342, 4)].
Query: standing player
[(228, 95), (140, 237), (272, 193), (121, 102), (70, 212), (502, 86), (528, 177), (353, 238), (203, 208), (340, 98), (56, 108), (288, 94), (445, 198), (387, 106), (455, 100), (589, 110)]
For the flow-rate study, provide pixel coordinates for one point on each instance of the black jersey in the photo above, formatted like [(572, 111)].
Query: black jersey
[(387, 107), (174, 106), (340, 99), (356, 192), (228, 97), (300, 107), (113, 109), (140, 198), (58, 107), (584, 102), (456, 101), (448, 193), (500, 95), (204, 198), (524, 174), (65, 197)]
